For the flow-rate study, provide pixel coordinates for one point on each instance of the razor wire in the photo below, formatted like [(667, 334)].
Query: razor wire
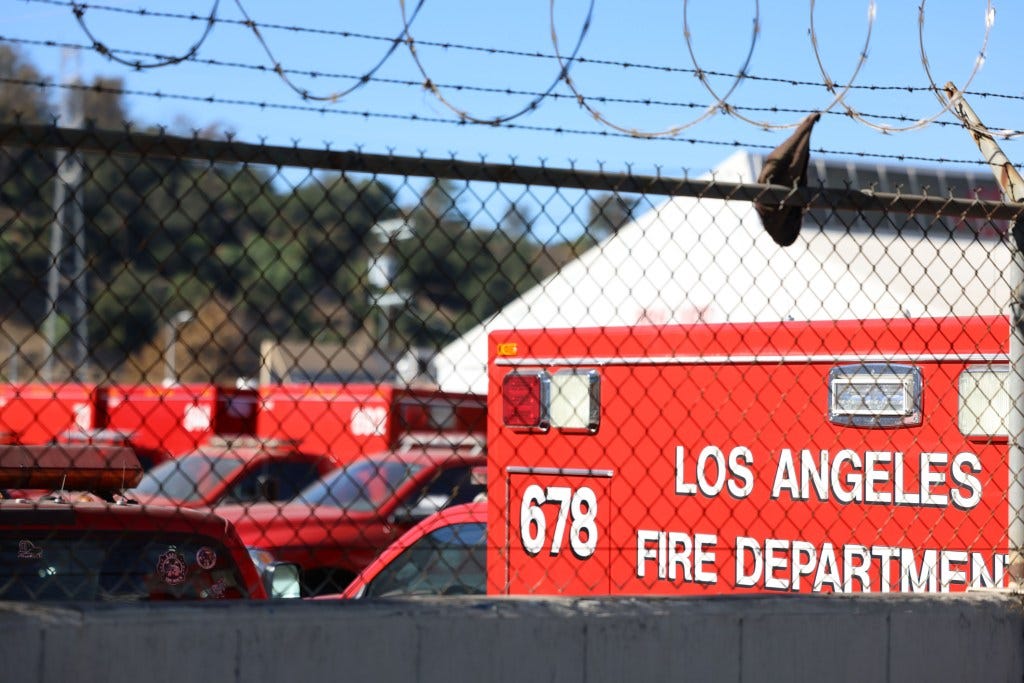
[(463, 114), (79, 10), (338, 94), (559, 130), (721, 104)]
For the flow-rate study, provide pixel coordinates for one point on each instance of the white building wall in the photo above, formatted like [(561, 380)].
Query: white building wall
[(690, 260)]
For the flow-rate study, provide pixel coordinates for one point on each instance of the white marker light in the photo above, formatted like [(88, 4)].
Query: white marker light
[(576, 400), (984, 403)]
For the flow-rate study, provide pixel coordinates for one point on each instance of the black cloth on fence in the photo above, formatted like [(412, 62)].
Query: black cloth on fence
[(787, 165)]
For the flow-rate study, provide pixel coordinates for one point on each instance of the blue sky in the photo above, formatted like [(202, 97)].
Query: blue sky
[(621, 41)]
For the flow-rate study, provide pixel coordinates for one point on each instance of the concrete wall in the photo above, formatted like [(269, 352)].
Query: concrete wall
[(975, 637)]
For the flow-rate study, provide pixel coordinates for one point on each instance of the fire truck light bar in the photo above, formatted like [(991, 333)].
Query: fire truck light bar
[(525, 398), (576, 400), (875, 395), (984, 402)]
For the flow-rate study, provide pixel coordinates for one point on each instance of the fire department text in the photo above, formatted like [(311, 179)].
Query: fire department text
[(875, 477)]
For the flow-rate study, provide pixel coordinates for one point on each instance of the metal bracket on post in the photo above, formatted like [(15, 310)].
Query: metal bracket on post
[(1013, 187)]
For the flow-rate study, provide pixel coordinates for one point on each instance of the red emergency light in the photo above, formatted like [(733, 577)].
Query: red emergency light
[(525, 399), (69, 466)]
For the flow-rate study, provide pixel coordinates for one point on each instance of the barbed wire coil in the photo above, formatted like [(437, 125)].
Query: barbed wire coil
[(78, 9)]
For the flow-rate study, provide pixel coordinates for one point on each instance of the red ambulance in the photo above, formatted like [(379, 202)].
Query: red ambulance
[(347, 421), (36, 413), (829, 456), (179, 418)]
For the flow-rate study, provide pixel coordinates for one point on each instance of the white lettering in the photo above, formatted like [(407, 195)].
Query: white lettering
[(885, 556), (853, 479), (947, 574), (744, 547), (856, 570), (714, 472), (775, 560), (739, 459), (644, 538), (931, 478), (873, 476), (980, 576), (708, 488), (662, 555), (781, 564), (673, 550), (702, 557), (682, 487), (965, 481), (785, 475), (898, 472), (679, 557), (805, 557), (816, 475), (828, 570), (918, 579)]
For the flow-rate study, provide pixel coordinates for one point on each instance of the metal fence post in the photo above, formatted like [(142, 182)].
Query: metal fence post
[(1013, 187)]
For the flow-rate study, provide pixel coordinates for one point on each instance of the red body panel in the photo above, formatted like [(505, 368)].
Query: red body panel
[(341, 420), (327, 536), (252, 461), (38, 413), (715, 467), (180, 418), (313, 537), (350, 420), (458, 514)]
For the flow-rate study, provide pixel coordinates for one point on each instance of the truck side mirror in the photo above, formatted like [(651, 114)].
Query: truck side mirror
[(281, 580)]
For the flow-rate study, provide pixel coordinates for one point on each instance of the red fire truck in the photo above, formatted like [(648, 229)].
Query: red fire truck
[(75, 544), (829, 456)]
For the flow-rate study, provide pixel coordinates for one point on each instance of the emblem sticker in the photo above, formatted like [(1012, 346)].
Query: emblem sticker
[(217, 590), (27, 550), (206, 557), (172, 568)]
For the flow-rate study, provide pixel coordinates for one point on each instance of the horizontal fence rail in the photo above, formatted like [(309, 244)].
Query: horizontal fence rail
[(199, 149)]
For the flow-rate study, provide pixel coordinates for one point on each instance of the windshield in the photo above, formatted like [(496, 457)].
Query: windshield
[(362, 486), (189, 478), (449, 561), (40, 564)]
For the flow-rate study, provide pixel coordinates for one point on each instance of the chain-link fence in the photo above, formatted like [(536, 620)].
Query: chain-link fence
[(605, 383)]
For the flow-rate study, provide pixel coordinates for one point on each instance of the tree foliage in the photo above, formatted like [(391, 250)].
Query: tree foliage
[(253, 253), (608, 212), (23, 95)]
